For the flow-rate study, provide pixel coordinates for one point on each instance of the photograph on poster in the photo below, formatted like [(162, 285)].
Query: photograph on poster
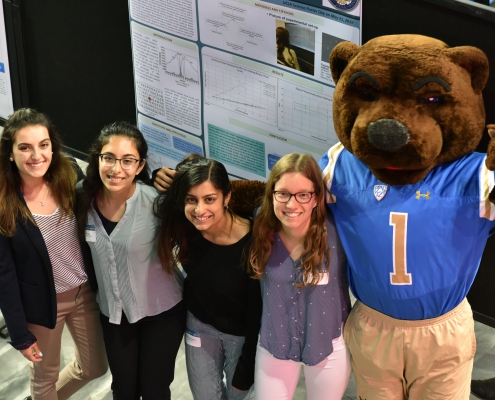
[(295, 46), (328, 42)]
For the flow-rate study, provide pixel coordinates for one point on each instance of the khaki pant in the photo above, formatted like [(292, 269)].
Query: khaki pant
[(78, 309), (395, 359)]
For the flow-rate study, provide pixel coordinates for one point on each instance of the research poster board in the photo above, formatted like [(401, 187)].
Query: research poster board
[(211, 79), (6, 101)]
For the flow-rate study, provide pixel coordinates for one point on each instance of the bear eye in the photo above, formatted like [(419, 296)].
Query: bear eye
[(430, 100), (366, 95)]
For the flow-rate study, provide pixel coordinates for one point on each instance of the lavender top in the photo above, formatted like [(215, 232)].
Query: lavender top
[(299, 323)]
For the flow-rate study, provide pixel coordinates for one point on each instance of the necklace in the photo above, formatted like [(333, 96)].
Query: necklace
[(42, 202), (43, 199)]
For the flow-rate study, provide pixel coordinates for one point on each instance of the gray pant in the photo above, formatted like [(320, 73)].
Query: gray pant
[(206, 365)]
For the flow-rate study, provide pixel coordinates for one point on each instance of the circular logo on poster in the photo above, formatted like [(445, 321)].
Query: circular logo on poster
[(345, 5)]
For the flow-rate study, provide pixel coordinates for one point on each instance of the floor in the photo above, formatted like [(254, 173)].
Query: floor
[(14, 371)]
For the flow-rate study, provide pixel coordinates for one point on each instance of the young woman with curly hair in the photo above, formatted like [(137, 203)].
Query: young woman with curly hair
[(297, 255)]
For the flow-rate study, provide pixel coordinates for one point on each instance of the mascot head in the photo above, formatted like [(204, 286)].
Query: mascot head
[(406, 103)]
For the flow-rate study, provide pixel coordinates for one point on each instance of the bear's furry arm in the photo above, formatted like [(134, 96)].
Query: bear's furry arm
[(246, 196)]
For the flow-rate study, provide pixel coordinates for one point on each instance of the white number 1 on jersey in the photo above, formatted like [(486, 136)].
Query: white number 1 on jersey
[(400, 276)]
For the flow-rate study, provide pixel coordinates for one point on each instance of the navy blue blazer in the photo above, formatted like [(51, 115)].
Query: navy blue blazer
[(27, 288)]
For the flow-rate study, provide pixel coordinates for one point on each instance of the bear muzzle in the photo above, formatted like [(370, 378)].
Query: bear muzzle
[(388, 134)]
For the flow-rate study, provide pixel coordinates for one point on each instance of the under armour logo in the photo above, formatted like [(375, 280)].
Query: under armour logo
[(419, 195)]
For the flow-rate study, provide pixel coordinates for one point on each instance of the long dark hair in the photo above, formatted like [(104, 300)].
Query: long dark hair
[(92, 184), (176, 231), (283, 41), (61, 175)]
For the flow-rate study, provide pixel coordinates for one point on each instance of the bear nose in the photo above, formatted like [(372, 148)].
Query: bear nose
[(388, 134)]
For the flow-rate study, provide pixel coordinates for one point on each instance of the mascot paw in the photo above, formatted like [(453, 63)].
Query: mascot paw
[(490, 154), (490, 157)]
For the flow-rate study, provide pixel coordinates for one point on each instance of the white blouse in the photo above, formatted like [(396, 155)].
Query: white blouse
[(129, 273)]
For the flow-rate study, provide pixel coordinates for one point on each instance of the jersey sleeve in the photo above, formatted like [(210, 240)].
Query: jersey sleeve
[(327, 165)]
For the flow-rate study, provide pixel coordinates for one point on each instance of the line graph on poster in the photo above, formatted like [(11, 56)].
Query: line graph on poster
[(244, 91), (306, 112), (179, 65)]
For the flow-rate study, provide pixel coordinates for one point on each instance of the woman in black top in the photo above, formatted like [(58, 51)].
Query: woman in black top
[(199, 232)]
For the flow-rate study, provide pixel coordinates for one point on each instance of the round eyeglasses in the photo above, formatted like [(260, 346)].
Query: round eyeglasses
[(284, 197), (108, 160)]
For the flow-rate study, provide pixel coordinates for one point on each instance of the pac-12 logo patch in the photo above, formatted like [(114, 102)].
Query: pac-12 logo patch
[(345, 5), (380, 191)]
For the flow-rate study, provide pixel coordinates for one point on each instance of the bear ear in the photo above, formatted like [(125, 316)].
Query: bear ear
[(474, 61), (340, 57)]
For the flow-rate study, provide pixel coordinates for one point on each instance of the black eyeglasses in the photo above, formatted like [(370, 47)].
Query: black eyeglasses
[(108, 160), (284, 197)]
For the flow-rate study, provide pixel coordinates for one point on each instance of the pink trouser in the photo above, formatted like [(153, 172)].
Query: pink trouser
[(277, 379)]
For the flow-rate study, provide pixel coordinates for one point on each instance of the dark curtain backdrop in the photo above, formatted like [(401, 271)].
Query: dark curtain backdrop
[(79, 65)]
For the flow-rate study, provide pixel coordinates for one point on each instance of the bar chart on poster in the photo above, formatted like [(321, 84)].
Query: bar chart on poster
[(241, 81), (6, 99)]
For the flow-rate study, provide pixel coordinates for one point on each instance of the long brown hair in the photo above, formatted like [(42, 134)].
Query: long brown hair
[(61, 175), (316, 252)]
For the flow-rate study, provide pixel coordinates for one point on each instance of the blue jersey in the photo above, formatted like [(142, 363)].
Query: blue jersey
[(413, 251)]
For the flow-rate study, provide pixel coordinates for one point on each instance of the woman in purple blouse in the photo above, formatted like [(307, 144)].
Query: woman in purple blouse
[(297, 255)]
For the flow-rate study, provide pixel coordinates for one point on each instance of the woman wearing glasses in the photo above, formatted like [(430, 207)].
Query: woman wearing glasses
[(298, 257), (142, 315), (45, 272), (211, 242)]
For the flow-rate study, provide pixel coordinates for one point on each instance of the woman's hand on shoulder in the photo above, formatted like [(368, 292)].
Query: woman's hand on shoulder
[(32, 353)]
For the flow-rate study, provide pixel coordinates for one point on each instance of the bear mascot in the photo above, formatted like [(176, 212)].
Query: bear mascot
[(412, 204), (411, 201)]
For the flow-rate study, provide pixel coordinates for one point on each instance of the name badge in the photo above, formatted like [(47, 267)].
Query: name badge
[(323, 278), (90, 233), (192, 338)]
